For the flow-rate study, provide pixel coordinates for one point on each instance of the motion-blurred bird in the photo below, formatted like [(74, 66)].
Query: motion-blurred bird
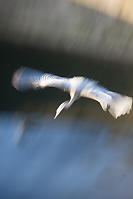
[(116, 104)]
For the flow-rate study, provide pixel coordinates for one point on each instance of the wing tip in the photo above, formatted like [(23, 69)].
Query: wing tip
[(17, 76)]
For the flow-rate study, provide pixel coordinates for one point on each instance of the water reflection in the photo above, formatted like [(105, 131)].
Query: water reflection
[(65, 158)]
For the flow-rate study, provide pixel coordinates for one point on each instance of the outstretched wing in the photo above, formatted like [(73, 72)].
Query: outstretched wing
[(25, 78)]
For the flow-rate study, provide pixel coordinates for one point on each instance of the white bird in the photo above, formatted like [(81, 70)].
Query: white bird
[(116, 104)]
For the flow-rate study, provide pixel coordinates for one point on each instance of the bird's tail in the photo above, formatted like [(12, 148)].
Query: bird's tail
[(118, 105)]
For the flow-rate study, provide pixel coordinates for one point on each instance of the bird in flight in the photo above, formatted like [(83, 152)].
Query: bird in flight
[(115, 103)]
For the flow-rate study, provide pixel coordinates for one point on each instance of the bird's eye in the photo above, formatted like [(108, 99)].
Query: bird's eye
[(108, 107)]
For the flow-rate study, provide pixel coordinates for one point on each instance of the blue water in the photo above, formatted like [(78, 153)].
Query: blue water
[(64, 158)]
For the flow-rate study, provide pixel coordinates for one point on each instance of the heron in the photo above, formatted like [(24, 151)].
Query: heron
[(117, 104)]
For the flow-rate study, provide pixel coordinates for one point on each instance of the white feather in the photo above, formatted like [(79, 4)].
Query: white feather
[(115, 103)]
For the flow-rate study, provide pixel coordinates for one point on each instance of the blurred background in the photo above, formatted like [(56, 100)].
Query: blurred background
[(84, 153)]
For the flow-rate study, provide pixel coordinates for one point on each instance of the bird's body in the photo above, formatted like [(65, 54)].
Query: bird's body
[(115, 103)]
